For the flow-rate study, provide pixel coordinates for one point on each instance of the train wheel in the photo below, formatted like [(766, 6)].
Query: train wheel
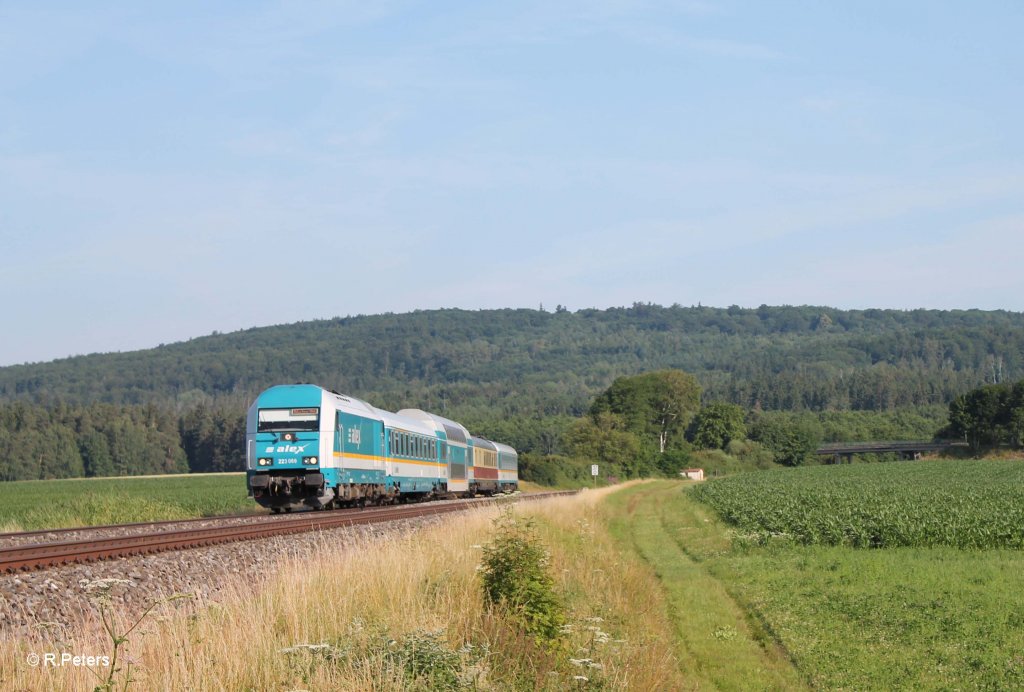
[(275, 510)]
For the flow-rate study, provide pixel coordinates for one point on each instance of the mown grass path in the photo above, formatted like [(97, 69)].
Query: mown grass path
[(718, 647)]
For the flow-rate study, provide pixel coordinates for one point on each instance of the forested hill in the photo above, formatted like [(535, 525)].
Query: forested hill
[(481, 364)]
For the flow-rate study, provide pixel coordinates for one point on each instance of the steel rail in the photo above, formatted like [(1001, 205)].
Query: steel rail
[(40, 555)]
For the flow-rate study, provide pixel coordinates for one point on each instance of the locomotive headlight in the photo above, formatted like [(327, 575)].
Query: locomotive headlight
[(288, 437), (310, 460), (265, 461)]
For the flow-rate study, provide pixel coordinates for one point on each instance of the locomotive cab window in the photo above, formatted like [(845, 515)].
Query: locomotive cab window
[(288, 420)]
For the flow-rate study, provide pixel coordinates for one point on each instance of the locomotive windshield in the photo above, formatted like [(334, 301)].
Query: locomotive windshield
[(288, 419)]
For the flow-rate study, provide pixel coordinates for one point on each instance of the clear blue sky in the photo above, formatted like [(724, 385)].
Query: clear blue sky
[(172, 168)]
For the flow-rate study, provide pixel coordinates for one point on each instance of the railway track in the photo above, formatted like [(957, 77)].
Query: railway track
[(35, 556)]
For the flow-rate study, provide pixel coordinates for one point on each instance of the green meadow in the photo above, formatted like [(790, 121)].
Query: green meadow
[(31, 505), (759, 599), (657, 591)]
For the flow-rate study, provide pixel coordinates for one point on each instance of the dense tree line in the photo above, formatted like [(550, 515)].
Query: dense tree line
[(61, 441), (641, 425), (534, 379), (989, 416), (627, 431), (652, 423), (500, 363)]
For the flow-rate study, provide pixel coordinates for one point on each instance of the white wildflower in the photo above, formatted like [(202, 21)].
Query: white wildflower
[(104, 585), (305, 647)]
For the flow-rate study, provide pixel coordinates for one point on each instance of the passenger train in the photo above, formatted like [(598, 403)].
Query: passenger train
[(310, 447)]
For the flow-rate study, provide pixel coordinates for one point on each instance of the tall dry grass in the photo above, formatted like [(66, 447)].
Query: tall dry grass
[(399, 612)]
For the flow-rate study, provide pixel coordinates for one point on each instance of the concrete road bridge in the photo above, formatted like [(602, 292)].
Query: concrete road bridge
[(842, 452)]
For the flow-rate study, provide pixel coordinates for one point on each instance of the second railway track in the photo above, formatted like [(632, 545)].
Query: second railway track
[(35, 556)]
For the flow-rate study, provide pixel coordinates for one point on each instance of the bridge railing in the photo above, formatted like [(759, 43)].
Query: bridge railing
[(881, 447)]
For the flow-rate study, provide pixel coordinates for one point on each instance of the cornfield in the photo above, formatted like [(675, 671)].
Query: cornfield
[(963, 504)]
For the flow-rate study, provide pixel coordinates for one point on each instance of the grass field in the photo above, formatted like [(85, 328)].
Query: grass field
[(406, 612), (936, 618), (658, 593), (716, 645), (920, 615), (30, 505)]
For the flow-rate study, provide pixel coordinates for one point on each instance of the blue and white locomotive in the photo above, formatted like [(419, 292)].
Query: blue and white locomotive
[(309, 447)]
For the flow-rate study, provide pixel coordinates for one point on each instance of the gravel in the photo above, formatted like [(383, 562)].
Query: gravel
[(55, 599)]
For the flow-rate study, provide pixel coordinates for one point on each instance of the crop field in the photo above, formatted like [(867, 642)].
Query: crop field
[(30, 505), (900, 618), (965, 504)]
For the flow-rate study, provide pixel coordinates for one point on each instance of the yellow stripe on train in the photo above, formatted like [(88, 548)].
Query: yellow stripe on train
[(393, 460)]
